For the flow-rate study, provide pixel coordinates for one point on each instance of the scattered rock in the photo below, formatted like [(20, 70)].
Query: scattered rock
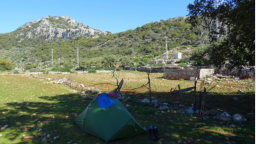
[(190, 110), (69, 142), (44, 139), (238, 118), (48, 136), (4, 127), (53, 116), (57, 137), (232, 126), (165, 104), (1, 135), (235, 98), (180, 105), (240, 90), (217, 86), (208, 82), (83, 95), (224, 117), (127, 105), (145, 100), (206, 113), (179, 111), (157, 102), (213, 112), (27, 137), (208, 79), (205, 117), (163, 108)]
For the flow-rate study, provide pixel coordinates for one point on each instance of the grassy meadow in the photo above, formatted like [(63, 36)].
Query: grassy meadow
[(33, 107)]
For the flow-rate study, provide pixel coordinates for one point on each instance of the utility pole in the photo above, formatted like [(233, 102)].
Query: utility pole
[(217, 19), (77, 51), (52, 57), (166, 48)]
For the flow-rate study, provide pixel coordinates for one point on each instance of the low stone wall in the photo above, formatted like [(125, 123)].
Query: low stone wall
[(204, 72), (52, 72), (36, 73), (176, 74), (128, 68), (103, 71), (79, 72), (156, 69)]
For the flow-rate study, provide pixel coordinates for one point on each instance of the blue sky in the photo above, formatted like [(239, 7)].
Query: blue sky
[(106, 15)]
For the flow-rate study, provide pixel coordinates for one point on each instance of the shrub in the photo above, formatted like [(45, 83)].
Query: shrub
[(208, 76), (28, 67), (183, 61), (91, 71), (119, 69), (16, 72), (6, 65), (182, 65), (181, 79), (2, 69)]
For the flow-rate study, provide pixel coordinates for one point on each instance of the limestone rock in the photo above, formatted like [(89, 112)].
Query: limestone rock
[(224, 117)]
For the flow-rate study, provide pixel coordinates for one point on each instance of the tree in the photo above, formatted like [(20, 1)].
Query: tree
[(137, 60), (109, 60), (234, 21), (125, 61), (6, 65), (146, 60), (199, 55)]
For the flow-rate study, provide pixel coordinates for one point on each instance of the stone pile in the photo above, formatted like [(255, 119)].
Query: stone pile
[(245, 71)]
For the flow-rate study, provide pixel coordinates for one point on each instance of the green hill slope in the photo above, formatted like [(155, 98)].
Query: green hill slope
[(145, 41)]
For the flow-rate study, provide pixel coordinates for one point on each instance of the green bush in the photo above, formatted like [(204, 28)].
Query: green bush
[(208, 76), (182, 65), (16, 72), (28, 67), (109, 68), (119, 69), (6, 65), (183, 61), (181, 79), (91, 71), (2, 69)]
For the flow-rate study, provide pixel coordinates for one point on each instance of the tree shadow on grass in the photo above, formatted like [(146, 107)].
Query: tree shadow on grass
[(56, 117)]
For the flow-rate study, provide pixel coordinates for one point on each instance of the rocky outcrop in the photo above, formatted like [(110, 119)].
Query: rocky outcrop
[(55, 27)]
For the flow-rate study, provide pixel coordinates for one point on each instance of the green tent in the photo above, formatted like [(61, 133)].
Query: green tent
[(111, 123)]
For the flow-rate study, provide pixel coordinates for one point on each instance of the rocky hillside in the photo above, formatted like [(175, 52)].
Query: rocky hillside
[(64, 36), (54, 27)]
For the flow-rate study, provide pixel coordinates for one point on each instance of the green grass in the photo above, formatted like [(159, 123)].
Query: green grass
[(30, 103)]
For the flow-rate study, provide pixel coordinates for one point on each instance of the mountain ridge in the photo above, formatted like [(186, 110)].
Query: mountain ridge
[(54, 27)]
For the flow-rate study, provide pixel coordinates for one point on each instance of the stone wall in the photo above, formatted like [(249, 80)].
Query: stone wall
[(204, 72), (81, 72), (103, 71), (176, 74), (36, 73), (156, 69)]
